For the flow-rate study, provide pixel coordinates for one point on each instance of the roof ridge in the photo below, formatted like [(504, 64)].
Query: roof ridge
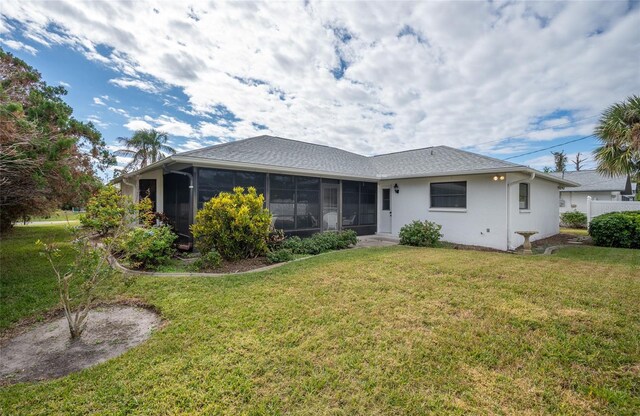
[(484, 156), (405, 151)]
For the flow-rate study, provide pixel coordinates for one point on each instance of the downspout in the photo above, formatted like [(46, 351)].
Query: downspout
[(509, 184), (166, 170)]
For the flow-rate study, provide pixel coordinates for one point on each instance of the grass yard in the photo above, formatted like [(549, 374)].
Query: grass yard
[(574, 231), (58, 215), (393, 330)]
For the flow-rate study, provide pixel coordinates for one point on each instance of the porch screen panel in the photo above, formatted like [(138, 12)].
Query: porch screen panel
[(213, 181), (368, 191), (294, 202), (350, 203)]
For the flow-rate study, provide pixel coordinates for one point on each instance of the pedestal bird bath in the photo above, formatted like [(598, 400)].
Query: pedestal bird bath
[(527, 244)]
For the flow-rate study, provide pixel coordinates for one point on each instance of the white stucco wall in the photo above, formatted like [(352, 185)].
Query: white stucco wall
[(542, 215), (577, 201), (484, 221), (132, 191)]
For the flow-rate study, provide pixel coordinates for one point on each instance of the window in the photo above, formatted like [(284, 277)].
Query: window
[(449, 195), (524, 196), (386, 199)]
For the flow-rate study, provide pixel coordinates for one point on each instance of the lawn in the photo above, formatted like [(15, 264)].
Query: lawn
[(393, 330), (58, 215), (574, 231)]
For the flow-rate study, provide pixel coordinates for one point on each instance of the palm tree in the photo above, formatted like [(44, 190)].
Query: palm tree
[(144, 147), (619, 133)]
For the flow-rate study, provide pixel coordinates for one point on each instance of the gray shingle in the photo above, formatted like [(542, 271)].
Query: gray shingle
[(434, 160), (592, 181), (276, 151)]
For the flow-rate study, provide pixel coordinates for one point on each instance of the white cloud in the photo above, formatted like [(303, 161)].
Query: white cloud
[(65, 84), (19, 46), (98, 101), (136, 83), (137, 124), (479, 72)]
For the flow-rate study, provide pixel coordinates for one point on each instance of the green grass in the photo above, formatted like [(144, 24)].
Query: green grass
[(620, 256), (58, 215), (574, 231), (27, 284), (393, 330)]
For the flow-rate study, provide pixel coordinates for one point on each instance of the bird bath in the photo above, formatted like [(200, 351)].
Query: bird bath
[(527, 244)]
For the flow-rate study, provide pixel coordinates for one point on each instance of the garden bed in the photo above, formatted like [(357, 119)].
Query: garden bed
[(45, 350)]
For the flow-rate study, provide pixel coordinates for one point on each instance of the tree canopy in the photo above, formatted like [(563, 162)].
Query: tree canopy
[(145, 147), (619, 133), (47, 157)]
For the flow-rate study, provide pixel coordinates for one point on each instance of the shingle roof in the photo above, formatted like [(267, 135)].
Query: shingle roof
[(592, 181), (276, 151), (434, 160), (280, 152)]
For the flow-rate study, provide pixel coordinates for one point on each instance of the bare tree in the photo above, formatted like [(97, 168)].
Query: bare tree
[(578, 162)]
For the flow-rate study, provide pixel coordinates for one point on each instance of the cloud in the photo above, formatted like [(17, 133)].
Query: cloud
[(337, 73), (98, 101), (19, 46), (137, 124), (65, 84), (136, 83)]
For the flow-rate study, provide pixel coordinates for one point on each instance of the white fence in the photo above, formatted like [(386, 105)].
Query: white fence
[(595, 208)]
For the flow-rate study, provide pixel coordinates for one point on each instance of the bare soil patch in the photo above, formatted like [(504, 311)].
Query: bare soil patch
[(240, 265), (45, 351)]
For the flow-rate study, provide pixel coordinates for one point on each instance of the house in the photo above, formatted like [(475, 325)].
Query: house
[(591, 183), (310, 188)]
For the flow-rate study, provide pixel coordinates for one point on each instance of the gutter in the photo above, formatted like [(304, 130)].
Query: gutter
[(509, 184)]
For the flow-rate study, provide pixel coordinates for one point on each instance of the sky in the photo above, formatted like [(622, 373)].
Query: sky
[(498, 78)]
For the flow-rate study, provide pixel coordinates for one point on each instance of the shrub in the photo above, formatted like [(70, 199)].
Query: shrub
[(147, 248), (208, 261), (105, 210), (279, 256), (235, 224), (420, 234), (320, 242), (275, 239), (574, 219), (616, 229), (293, 244)]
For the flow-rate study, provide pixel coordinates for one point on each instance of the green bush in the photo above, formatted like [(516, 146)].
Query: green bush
[(279, 256), (235, 224), (105, 210), (321, 242), (146, 248), (574, 219), (420, 234), (208, 261), (616, 229)]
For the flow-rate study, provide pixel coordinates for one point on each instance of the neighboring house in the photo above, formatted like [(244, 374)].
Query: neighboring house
[(310, 188), (593, 184)]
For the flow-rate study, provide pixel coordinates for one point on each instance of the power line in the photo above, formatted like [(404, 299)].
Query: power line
[(546, 128), (550, 147)]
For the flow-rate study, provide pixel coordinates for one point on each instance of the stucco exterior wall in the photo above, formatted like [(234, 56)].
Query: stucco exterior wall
[(543, 213), (132, 191), (577, 201), (482, 223), (485, 221)]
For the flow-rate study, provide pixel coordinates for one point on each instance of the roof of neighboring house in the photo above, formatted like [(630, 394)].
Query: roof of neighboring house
[(269, 152), (592, 181)]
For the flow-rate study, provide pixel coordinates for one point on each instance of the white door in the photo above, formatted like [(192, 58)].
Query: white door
[(385, 212)]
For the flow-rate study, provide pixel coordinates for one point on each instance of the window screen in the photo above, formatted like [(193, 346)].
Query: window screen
[(449, 195), (524, 196)]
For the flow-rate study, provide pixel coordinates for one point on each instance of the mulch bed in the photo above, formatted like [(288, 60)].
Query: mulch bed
[(558, 240)]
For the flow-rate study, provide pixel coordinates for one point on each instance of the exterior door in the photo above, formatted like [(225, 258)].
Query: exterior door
[(385, 212), (330, 205)]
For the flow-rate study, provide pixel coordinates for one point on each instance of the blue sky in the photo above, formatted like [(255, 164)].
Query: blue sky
[(498, 78)]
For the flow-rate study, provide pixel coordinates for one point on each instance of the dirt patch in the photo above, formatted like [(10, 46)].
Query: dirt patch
[(559, 240), (45, 351), (240, 265)]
